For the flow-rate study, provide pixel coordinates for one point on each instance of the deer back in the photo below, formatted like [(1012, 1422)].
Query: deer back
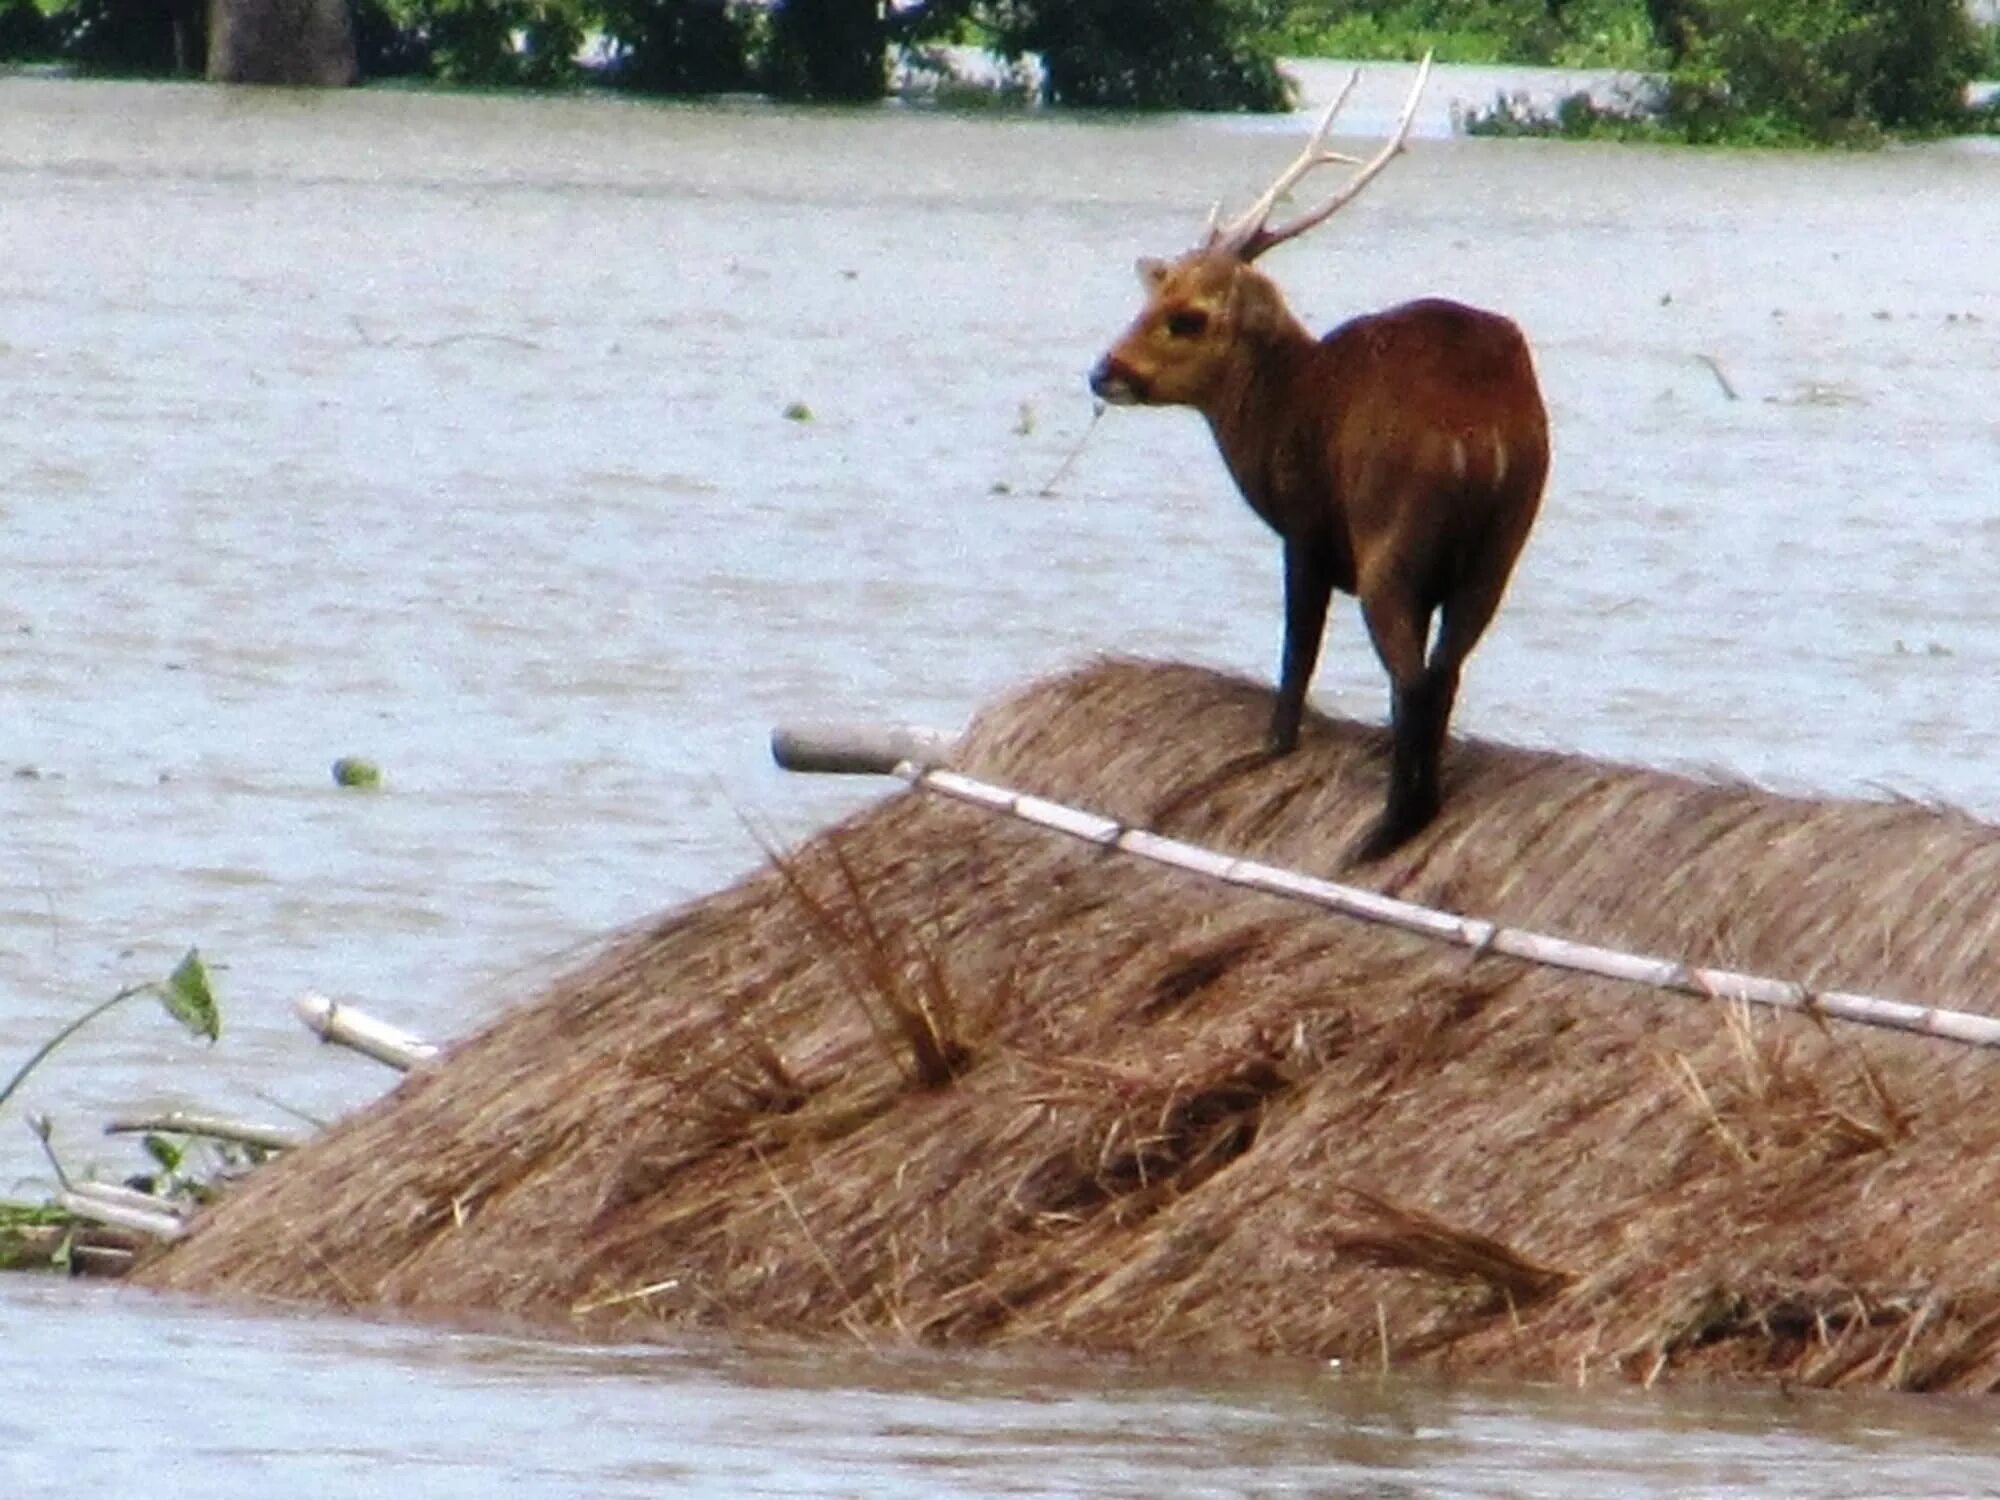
[(1434, 425)]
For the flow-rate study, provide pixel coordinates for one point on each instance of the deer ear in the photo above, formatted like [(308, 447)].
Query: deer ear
[(1253, 300), (1152, 271)]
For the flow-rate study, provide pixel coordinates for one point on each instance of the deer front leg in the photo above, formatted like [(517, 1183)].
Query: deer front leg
[(1308, 588)]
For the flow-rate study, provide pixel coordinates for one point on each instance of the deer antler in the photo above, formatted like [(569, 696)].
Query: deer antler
[(1247, 236)]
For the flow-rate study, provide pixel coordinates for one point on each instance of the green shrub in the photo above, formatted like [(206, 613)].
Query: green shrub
[(386, 48), (134, 38), (678, 46), (1147, 54), (26, 35), (1784, 72), (1562, 33), (1822, 70), (1929, 52), (483, 43), (827, 49)]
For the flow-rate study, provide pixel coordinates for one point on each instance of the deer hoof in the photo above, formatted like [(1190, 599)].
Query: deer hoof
[(1389, 834)]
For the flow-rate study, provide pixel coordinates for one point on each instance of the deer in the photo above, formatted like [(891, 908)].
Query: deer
[(1400, 458)]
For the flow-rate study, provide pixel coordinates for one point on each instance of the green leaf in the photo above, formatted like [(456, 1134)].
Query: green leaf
[(189, 999), (167, 1153)]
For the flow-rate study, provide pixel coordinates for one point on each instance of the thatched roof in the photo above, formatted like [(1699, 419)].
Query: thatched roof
[(941, 1076)]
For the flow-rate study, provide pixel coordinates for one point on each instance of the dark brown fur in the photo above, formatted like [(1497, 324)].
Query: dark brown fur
[(1400, 458)]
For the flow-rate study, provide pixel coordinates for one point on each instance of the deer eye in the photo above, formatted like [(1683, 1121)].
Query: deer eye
[(1187, 323)]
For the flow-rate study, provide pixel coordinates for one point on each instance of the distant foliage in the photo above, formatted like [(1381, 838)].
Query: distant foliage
[(827, 49), (1822, 70), (481, 42), (1142, 54), (1787, 72), (1147, 54), (134, 38), (678, 46), (1561, 33), (384, 47), (26, 35)]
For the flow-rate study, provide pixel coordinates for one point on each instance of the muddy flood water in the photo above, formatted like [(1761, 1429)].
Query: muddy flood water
[(547, 452)]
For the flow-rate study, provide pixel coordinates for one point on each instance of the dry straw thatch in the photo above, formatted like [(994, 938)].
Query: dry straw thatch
[(939, 1076)]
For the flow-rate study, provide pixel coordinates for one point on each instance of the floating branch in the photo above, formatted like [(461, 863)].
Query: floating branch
[(361, 1032), (1721, 377), (1466, 932), (210, 1127)]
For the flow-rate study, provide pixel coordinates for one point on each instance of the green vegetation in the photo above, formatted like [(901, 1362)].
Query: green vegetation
[(191, 1171), (185, 993), (34, 1236), (25, 32), (1787, 72), (1740, 71), (1553, 33), (1194, 54), (142, 37), (43, 1235), (1149, 54), (527, 43)]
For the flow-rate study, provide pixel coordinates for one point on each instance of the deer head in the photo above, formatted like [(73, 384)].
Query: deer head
[(1208, 304)]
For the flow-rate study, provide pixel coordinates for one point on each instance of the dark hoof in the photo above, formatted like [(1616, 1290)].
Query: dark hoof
[(1387, 836)]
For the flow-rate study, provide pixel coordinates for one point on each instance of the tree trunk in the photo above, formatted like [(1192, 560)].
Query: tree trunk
[(281, 41)]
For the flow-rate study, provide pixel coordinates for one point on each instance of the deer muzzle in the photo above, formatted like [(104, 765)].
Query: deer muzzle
[(1112, 382)]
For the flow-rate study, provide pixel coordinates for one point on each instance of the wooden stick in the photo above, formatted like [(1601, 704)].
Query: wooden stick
[(1721, 379), (1468, 932), (855, 750), (100, 1260), (37, 1245), (100, 1210), (212, 1127), (362, 1032)]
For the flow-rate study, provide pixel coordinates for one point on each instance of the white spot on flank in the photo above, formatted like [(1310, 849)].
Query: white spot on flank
[(1499, 457), (1458, 457)]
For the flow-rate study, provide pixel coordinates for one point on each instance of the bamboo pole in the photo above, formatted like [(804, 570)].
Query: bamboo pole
[(92, 1201), (1467, 932), (211, 1127), (856, 750), (362, 1033), (118, 1193), (1480, 936)]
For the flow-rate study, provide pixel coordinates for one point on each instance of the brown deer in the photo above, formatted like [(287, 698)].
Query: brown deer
[(1400, 458)]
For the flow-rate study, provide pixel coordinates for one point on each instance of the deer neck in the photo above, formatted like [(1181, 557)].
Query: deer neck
[(1256, 414)]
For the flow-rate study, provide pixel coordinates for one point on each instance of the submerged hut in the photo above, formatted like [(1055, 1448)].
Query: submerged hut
[(938, 1076)]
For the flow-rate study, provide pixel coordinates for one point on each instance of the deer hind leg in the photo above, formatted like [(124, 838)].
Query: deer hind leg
[(1464, 615), (1399, 623), (1308, 588), (1422, 714)]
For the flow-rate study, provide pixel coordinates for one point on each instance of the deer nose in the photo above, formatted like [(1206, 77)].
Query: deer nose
[(1112, 382)]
